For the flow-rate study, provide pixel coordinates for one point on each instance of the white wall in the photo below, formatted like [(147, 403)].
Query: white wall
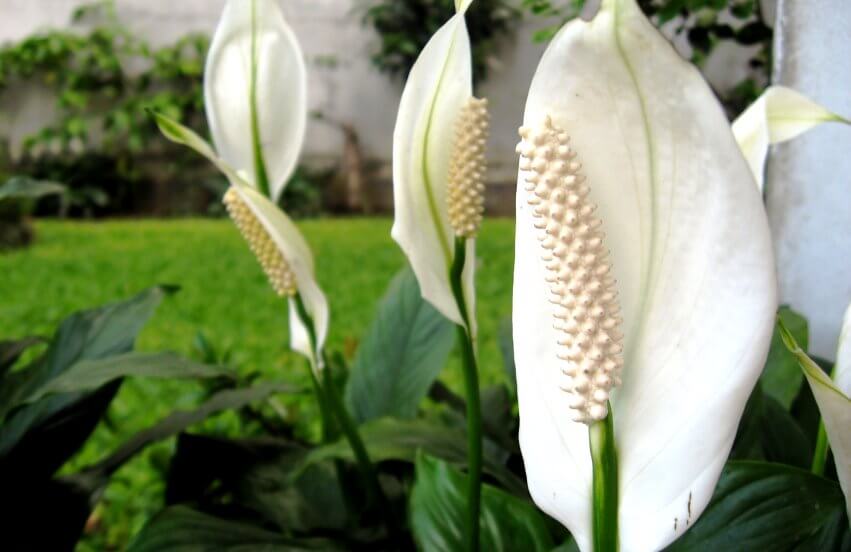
[(352, 91), (809, 179)]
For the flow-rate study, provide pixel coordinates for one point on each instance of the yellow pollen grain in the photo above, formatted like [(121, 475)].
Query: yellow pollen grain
[(274, 265), (587, 310), (467, 167)]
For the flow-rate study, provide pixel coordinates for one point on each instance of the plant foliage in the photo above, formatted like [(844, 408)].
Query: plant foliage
[(405, 26)]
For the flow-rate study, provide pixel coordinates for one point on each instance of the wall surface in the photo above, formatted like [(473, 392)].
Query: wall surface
[(349, 89), (809, 179)]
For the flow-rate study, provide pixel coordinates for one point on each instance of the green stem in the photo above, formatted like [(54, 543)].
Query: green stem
[(256, 142), (332, 400), (822, 447), (605, 484), (474, 409)]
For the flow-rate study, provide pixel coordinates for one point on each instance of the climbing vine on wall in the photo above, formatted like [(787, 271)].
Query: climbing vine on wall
[(404, 27)]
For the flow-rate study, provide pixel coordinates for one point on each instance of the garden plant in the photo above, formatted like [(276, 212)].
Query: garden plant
[(654, 394)]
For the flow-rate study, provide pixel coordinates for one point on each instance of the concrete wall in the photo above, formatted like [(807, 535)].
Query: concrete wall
[(351, 91), (809, 179), (348, 90)]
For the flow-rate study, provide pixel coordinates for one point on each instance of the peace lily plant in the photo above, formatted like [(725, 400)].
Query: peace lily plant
[(256, 99), (645, 290), (438, 190)]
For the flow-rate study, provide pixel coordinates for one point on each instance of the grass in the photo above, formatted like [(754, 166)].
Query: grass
[(225, 295)]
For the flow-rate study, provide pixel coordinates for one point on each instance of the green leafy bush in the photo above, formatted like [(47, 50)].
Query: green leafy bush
[(405, 26)]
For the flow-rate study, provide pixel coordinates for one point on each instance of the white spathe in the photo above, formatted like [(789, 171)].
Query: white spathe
[(691, 252), (833, 401), (296, 252), (439, 84), (281, 90), (283, 233), (780, 114)]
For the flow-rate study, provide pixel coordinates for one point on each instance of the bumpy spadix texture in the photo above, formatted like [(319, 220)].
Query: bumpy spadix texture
[(692, 258), (467, 166), (439, 85), (586, 309), (274, 264)]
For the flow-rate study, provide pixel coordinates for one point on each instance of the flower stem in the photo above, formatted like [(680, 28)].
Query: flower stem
[(329, 396), (605, 483), (474, 409), (822, 447)]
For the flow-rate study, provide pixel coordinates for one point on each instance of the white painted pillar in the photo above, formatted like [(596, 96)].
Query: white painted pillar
[(809, 178)]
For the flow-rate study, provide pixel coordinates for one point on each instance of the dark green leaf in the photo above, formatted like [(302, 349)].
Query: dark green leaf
[(253, 474), (11, 351), (498, 419), (91, 374), (438, 508), (180, 420), (391, 439), (56, 426), (86, 335), (180, 529), (23, 187), (25, 509), (760, 506), (403, 352), (782, 378), (769, 432)]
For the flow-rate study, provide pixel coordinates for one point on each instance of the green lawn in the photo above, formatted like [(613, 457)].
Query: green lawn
[(224, 295)]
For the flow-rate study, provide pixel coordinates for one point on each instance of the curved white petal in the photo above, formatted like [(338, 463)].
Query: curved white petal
[(297, 253), (833, 402), (691, 253), (438, 86), (281, 90), (180, 134), (778, 115), (842, 374)]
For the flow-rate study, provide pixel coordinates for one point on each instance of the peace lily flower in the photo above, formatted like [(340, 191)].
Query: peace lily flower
[(255, 93), (832, 397), (438, 189), (644, 285), (438, 167), (276, 242), (255, 96), (780, 114)]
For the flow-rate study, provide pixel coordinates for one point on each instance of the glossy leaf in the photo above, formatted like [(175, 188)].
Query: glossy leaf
[(254, 474), (390, 439), (692, 258), (69, 418), (401, 355), (437, 507), (21, 187), (88, 375), (11, 351), (760, 506), (181, 529)]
